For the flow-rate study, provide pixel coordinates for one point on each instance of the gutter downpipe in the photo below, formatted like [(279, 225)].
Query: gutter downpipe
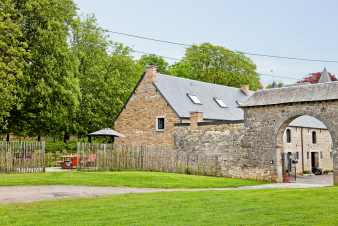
[(302, 146)]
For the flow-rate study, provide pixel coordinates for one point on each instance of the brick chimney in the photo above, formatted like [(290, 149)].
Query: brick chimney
[(151, 72), (195, 118), (245, 89)]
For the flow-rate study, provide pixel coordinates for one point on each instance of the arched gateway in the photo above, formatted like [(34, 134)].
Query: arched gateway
[(267, 113)]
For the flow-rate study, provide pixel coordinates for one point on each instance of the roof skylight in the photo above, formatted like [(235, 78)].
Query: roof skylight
[(220, 102), (194, 98)]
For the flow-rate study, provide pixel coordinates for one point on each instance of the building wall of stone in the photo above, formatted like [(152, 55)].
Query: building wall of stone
[(265, 126), (137, 121), (223, 141), (323, 146)]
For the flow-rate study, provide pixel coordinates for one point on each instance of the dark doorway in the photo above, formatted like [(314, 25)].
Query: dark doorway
[(314, 160), (289, 162)]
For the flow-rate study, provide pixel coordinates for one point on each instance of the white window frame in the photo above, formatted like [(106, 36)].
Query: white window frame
[(220, 102), (156, 123), (194, 98)]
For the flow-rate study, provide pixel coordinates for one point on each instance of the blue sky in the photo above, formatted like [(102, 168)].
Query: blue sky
[(298, 28)]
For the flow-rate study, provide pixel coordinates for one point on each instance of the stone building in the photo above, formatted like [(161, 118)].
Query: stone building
[(199, 117), (161, 104)]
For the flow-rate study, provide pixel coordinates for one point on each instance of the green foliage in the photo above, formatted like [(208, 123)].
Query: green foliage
[(60, 146), (13, 55), (152, 59), (216, 64), (107, 75), (51, 85)]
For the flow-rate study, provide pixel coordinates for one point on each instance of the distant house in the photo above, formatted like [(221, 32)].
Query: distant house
[(317, 77), (308, 141)]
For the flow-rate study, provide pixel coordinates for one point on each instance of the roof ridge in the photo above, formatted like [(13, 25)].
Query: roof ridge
[(296, 85), (209, 83)]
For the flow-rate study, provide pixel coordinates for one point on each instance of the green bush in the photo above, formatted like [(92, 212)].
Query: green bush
[(60, 146)]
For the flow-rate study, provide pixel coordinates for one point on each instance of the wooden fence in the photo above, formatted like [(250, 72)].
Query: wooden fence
[(149, 158), (22, 157)]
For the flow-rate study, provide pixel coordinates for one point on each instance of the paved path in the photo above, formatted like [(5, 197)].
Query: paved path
[(17, 194), (313, 179)]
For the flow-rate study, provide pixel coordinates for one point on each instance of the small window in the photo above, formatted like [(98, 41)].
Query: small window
[(314, 137), (160, 124), (297, 155), (288, 136), (331, 156), (321, 155), (220, 102), (194, 99), (308, 155)]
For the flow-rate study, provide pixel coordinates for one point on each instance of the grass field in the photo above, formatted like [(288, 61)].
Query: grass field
[(212, 208), (127, 179)]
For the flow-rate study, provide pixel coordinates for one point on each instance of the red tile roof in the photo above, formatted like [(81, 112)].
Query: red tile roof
[(314, 78)]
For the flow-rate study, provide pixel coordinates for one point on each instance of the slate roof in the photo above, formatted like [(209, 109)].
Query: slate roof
[(293, 94), (306, 121), (175, 90)]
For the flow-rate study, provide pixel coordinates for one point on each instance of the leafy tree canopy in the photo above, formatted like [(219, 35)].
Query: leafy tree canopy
[(107, 74), (152, 59), (13, 55), (216, 64), (50, 76)]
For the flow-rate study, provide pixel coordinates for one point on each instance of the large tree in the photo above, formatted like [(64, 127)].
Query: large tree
[(51, 85), (13, 55), (216, 64), (107, 74)]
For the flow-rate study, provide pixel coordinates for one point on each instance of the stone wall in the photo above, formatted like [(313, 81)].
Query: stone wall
[(137, 121), (221, 140)]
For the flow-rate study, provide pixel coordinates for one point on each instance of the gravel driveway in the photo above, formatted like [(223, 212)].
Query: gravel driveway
[(17, 194)]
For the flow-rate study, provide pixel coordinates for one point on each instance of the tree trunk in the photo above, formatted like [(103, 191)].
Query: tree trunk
[(7, 137), (66, 137)]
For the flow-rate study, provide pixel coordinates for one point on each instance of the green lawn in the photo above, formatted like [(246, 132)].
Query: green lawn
[(212, 208), (127, 178)]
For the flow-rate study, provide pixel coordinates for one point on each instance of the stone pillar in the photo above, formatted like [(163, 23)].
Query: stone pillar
[(278, 164), (195, 118), (335, 166)]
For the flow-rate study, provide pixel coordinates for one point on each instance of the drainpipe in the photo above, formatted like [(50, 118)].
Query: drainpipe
[(302, 146)]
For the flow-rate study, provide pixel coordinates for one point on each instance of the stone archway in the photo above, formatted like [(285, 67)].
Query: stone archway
[(268, 112)]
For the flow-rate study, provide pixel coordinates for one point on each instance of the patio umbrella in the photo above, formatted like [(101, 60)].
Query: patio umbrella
[(107, 132)]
